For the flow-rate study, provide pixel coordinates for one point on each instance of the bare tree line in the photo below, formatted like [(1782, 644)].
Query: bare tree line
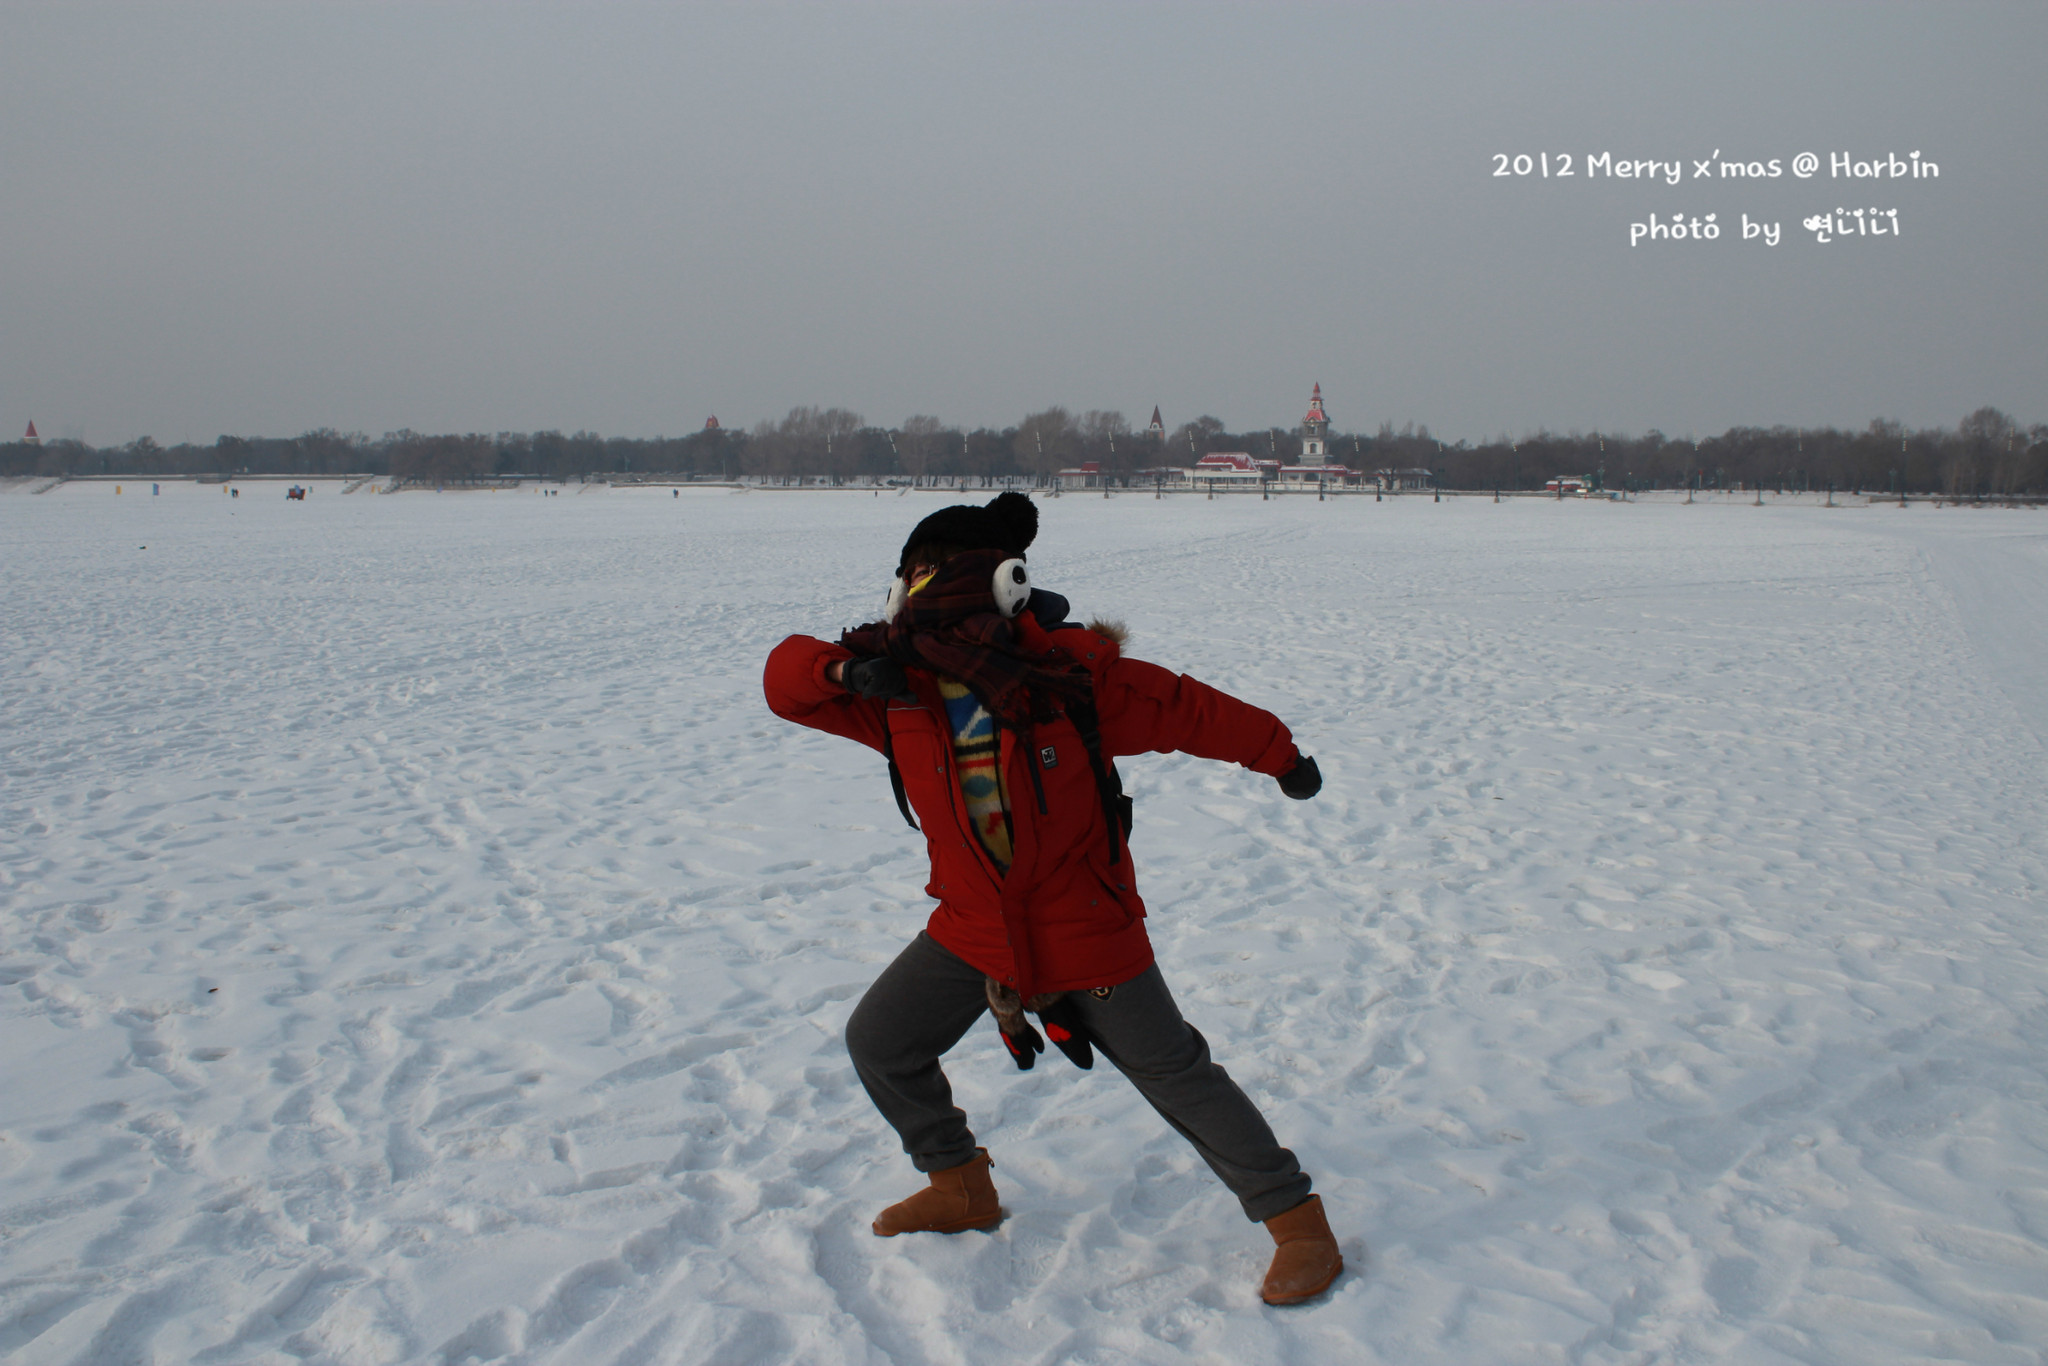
[(1985, 454)]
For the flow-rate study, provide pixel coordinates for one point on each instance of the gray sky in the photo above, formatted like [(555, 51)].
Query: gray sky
[(263, 218)]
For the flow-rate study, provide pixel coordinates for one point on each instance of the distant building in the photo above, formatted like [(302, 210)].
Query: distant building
[(710, 424), (30, 438), (1236, 469), (1316, 467), (1315, 430), (1088, 475), (1233, 469)]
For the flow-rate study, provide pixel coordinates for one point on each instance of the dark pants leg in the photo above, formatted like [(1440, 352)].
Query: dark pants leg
[(927, 999), (917, 1009), (1139, 1029)]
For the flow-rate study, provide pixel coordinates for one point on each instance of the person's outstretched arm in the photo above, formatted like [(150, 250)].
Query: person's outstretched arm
[(801, 684), (1146, 708)]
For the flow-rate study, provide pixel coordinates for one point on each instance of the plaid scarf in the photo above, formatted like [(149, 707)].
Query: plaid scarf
[(950, 625)]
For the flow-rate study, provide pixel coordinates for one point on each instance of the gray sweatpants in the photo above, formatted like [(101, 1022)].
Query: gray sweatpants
[(924, 1002)]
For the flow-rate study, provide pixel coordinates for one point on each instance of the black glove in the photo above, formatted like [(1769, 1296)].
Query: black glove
[(1301, 782), (877, 677), (1024, 1045), (1063, 1026)]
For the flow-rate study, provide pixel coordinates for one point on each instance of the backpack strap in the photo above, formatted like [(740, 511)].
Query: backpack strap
[(1109, 784), (896, 775)]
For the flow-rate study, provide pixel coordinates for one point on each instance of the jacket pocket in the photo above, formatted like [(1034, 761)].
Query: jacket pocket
[(1119, 884), (1088, 900)]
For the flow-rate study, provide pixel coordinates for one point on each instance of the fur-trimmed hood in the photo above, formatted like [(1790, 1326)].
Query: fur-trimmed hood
[(1112, 628)]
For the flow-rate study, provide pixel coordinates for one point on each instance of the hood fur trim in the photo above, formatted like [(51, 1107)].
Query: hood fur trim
[(1111, 628)]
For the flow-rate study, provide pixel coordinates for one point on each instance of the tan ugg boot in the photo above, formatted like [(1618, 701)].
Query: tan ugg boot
[(958, 1198), (1306, 1259)]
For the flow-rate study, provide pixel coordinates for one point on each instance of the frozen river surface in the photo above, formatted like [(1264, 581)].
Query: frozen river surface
[(422, 945)]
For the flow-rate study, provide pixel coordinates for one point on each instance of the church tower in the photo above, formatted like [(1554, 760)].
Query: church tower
[(1157, 431), (30, 438), (1315, 432)]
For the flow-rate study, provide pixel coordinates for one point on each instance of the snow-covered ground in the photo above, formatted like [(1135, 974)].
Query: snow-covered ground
[(421, 944)]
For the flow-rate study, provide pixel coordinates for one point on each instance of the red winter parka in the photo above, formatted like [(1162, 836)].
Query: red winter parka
[(1064, 918)]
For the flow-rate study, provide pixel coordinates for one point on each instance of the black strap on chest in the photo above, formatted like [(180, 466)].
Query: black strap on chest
[(1109, 784), (896, 775)]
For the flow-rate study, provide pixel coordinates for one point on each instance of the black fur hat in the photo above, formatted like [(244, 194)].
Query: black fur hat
[(1007, 522)]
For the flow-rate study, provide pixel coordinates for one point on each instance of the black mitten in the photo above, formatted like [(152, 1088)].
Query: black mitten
[(1063, 1026), (1024, 1045), (1018, 1035), (1301, 782), (877, 677)]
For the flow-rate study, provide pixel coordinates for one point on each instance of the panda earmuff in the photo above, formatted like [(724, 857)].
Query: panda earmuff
[(1012, 587)]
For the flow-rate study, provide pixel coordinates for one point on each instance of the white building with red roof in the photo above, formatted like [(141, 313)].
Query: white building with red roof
[(1086, 475), (1316, 467), (30, 438), (1315, 430), (1233, 469)]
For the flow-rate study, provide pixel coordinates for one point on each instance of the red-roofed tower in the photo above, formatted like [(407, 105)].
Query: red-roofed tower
[(1315, 431), (30, 438)]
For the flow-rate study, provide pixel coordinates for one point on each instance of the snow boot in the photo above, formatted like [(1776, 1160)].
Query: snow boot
[(1306, 1259), (958, 1198)]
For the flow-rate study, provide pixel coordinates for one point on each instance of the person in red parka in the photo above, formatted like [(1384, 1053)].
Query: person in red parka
[(1002, 721)]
